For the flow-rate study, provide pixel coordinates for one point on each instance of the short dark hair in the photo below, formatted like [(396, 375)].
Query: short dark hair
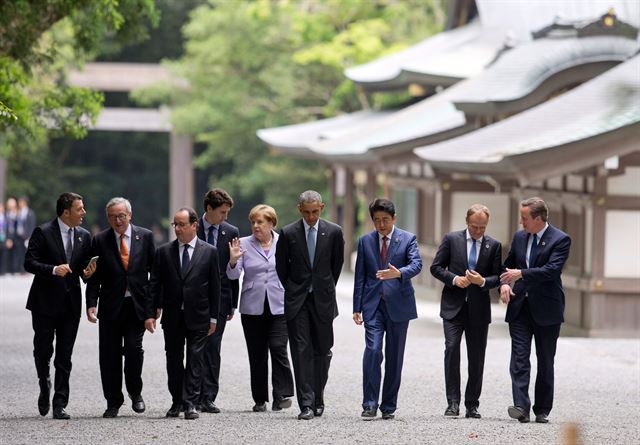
[(217, 197), (193, 216), (382, 205), (537, 207), (65, 202)]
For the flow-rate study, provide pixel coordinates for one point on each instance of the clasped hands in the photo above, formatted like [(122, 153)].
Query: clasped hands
[(470, 277)]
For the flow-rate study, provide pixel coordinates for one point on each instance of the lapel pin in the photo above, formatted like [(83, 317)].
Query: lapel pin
[(322, 234), (137, 237), (543, 243), (223, 233), (486, 246), (79, 239)]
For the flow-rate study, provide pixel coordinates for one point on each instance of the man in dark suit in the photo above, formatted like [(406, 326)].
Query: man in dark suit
[(468, 262), (120, 285), (533, 290), (185, 289), (58, 255), (214, 229), (309, 257), (384, 299)]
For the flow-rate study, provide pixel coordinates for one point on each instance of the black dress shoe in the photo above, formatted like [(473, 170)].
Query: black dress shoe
[(318, 410), (260, 407), (110, 413), (473, 413), (174, 411), (515, 412), (280, 404), (542, 418), (209, 407), (137, 404), (306, 414), (388, 416), (43, 402), (60, 414), (369, 413), (452, 410), (191, 413)]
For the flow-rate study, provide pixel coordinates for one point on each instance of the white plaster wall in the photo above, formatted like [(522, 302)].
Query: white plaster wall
[(622, 244)]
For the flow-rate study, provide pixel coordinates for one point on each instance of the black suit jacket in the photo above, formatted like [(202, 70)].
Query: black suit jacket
[(295, 271), (229, 289), (50, 294), (198, 291), (541, 281), (451, 260), (109, 282)]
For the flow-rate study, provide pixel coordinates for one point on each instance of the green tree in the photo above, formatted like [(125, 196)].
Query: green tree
[(257, 64)]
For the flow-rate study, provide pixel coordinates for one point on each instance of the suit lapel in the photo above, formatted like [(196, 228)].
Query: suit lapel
[(461, 247), (197, 252), (255, 245), (542, 244), (394, 242), (321, 240), (57, 236), (302, 242), (484, 251), (175, 256), (113, 248), (134, 246)]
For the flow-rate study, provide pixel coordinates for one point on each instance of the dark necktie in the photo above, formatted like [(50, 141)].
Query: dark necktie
[(473, 253), (212, 236), (311, 244), (68, 250), (185, 259), (383, 252), (532, 252)]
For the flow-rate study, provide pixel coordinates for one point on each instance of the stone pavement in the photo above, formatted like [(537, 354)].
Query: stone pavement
[(597, 387)]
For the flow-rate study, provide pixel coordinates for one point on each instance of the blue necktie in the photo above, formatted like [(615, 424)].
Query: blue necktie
[(532, 252), (68, 250), (311, 244), (473, 253), (185, 259), (212, 237)]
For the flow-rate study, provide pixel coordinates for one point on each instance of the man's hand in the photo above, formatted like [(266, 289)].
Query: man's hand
[(461, 282), (150, 324), (212, 329), (506, 293), (474, 277), (91, 314), (357, 318), (510, 276), (61, 270), (230, 316), (90, 269), (388, 274)]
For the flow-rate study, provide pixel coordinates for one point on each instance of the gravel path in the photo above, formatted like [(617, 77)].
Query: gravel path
[(597, 387)]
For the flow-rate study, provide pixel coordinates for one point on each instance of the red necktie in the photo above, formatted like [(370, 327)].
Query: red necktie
[(383, 258)]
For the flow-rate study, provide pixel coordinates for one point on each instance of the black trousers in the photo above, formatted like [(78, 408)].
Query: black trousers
[(476, 339), (122, 336), (64, 329), (211, 362), (184, 381), (264, 334), (311, 342), (522, 330)]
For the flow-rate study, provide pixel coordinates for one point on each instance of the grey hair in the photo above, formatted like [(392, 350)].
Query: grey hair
[(118, 200), (309, 196)]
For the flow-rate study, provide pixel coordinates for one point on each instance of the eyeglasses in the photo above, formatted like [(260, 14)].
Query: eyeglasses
[(120, 216), (180, 225), (475, 227)]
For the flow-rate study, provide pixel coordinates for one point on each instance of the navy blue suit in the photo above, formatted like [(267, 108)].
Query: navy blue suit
[(536, 311), (386, 307)]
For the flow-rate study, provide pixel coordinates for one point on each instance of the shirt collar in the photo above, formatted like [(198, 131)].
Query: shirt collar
[(389, 236), (191, 243), (206, 223), (541, 232), (468, 235), (307, 226), (63, 227), (127, 233)]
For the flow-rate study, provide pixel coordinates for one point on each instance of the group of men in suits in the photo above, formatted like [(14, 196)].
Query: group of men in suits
[(184, 283)]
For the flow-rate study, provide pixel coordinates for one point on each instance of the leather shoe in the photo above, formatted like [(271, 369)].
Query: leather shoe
[(453, 409), (369, 413), (137, 404), (44, 402), (280, 404), (209, 407), (515, 412), (174, 411), (387, 416), (318, 410), (60, 414), (191, 413), (542, 418), (306, 414), (260, 407), (110, 413), (473, 413)]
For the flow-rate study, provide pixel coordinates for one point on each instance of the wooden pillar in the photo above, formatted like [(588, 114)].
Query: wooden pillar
[(180, 174), (333, 195), (3, 177), (349, 216), (371, 191)]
